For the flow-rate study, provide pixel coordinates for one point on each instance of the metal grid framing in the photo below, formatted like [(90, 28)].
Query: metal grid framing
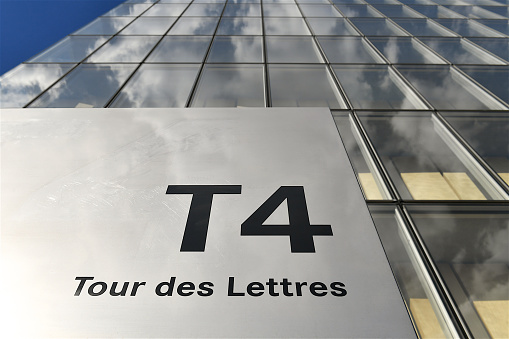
[(460, 327)]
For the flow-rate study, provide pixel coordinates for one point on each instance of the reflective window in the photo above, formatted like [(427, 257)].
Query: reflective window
[(313, 2), (230, 86), (141, 1), (421, 302), (446, 88), (349, 50), (397, 11), (488, 134), (319, 11), (311, 86), (240, 26), (499, 47), (25, 82), (236, 49), (71, 49), (494, 78), (370, 180), (339, 2), (281, 10), (194, 26), (166, 10), (467, 28), (474, 12), (326, 26), (460, 51), (422, 159), (242, 10), (209, 1), (283, 49), (500, 10), (88, 85), (376, 87), (125, 49), (470, 248), (104, 26), (181, 49), (423, 27), (174, 1), (417, 2), (158, 86), (501, 26), (285, 26), (358, 11), (434, 12), (384, 2), (149, 26), (405, 50), (204, 10), (377, 27), (279, 2), (245, 1), (128, 10)]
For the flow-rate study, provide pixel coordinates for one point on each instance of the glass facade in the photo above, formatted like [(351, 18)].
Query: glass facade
[(418, 90)]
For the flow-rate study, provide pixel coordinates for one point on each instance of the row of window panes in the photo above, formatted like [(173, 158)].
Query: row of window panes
[(423, 159), (296, 26), (489, 3), (469, 247), (315, 9)]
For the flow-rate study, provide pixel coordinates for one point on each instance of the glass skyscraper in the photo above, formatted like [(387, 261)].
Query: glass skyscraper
[(419, 91)]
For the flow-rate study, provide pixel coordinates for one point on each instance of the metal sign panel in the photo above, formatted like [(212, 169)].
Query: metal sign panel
[(188, 223)]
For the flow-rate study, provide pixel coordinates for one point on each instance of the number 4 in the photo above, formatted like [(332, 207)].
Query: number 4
[(300, 230)]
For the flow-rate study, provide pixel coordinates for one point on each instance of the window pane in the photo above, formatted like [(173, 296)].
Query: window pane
[(397, 11), (370, 181), (501, 26), (240, 26), (420, 302), (494, 78), (236, 49), (500, 10), (403, 50), (149, 26), (125, 49), (499, 47), (128, 10), (285, 26), (422, 162), (165, 10), (158, 86), (26, 81), (376, 87), (242, 10), (181, 49), (488, 134), (311, 86), (467, 28), (283, 49), (204, 10), (319, 11), (325, 26), (71, 49), (281, 10), (470, 248), (446, 88), (377, 27), (460, 51), (104, 26), (423, 27), (434, 12), (88, 85), (361, 2), (313, 2), (194, 26), (348, 50), (358, 11), (474, 12), (230, 86)]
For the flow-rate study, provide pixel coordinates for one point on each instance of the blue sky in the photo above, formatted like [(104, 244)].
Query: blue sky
[(29, 26)]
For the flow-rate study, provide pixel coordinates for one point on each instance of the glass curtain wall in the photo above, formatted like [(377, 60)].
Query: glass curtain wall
[(418, 90)]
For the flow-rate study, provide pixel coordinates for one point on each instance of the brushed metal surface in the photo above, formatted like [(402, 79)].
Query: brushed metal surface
[(84, 195)]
